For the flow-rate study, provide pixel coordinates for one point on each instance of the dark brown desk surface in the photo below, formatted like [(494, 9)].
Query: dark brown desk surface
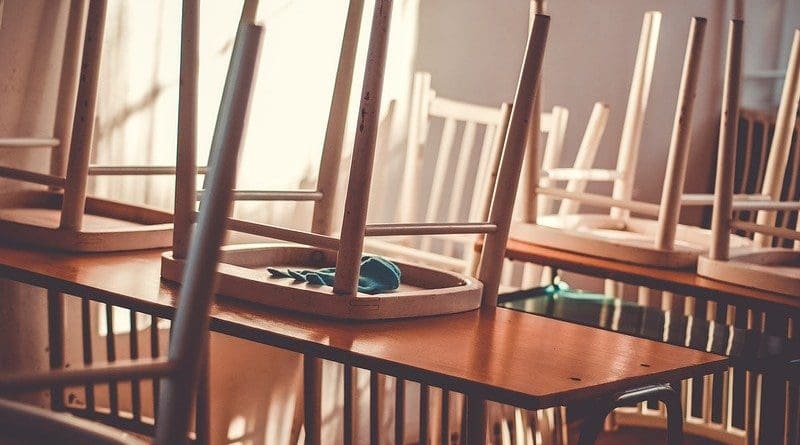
[(503, 355), (682, 282)]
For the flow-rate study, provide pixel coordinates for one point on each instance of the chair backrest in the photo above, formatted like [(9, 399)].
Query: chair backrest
[(323, 196), (461, 181), (460, 175)]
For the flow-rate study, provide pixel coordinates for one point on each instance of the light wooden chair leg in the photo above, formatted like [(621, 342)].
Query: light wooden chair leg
[(328, 178), (82, 133), (635, 111), (186, 158), (68, 87), (508, 174), (356, 202), (670, 208), (726, 151)]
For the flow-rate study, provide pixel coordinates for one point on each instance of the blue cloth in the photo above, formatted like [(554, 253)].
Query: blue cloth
[(376, 275)]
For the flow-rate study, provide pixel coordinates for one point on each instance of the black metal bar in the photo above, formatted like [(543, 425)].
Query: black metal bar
[(399, 411), (155, 352), (55, 334), (445, 428), (349, 393), (374, 408), (424, 413), (136, 395), (111, 356), (664, 393), (203, 406), (86, 334)]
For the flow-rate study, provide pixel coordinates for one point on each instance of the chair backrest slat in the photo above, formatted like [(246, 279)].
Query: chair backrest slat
[(440, 173), (587, 152)]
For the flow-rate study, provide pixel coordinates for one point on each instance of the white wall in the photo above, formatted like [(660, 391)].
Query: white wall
[(473, 49)]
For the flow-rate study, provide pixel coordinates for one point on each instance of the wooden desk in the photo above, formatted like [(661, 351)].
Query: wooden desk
[(510, 357), (682, 282)]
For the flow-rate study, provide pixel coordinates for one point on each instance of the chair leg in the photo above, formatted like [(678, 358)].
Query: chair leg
[(663, 393)]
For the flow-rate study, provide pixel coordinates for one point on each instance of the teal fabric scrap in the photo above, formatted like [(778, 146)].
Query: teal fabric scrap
[(376, 275)]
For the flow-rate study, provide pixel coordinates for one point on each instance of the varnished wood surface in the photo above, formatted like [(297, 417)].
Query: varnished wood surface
[(511, 357), (682, 282)]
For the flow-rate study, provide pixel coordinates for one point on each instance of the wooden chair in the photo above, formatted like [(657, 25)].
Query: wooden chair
[(423, 291), (180, 371), (64, 217), (658, 242), (761, 265), (464, 196)]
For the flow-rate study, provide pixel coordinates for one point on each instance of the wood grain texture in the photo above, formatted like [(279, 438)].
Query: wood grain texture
[(484, 353)]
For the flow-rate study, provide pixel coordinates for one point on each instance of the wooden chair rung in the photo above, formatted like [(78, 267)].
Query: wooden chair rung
[(29, 142), (282, 233), (644, 208), (33, 177), (94, 373), (392, 229), (571, 174), (137, 170), (273, 195)]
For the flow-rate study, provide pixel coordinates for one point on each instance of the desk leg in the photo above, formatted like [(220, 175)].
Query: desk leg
[(476, 420), (55, 333), (662, 393), (312, 392)]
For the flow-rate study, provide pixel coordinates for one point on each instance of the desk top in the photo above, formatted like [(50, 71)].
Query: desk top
[(682, 282), (521, 359)]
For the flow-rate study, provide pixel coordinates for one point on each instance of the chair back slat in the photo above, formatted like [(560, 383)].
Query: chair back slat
[(460, 181), (482, 175), (587, 152), (440, 175), (555, 125)]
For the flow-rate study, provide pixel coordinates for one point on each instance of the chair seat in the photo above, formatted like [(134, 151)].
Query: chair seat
[(243, 275), (37, 425), (770, 269), (32, 218), (630, 240)]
